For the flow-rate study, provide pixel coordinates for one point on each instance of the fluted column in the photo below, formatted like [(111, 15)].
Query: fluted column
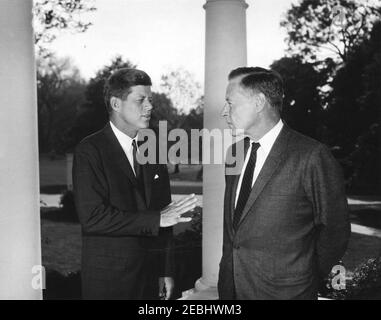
[(20, 248), (225, 49)]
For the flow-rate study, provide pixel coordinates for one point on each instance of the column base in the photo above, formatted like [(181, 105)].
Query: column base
[(201, 291)]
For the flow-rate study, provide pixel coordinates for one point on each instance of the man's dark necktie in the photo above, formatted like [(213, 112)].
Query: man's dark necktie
[(138, 168), (136, 164), (246, 184)]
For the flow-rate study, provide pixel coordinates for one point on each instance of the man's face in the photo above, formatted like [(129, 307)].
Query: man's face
[(135, 110), (239, 110)]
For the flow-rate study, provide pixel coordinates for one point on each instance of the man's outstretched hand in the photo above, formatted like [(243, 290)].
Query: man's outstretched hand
[(172, 214)]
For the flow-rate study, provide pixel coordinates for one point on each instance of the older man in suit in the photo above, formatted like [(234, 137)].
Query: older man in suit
[(285, 211), (125, 207)]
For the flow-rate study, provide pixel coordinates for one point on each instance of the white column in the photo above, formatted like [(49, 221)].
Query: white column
[(225, 49), (20, 247)]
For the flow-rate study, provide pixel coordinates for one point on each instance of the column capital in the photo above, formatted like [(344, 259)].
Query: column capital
[(241, 3)]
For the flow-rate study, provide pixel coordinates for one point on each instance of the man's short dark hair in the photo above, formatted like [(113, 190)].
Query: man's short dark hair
[(268, 83), (120, 82), (245, 71), (257, 79)]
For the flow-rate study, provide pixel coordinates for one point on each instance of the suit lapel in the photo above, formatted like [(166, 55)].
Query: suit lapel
[(272, 162), (117, 155), (147, 176)]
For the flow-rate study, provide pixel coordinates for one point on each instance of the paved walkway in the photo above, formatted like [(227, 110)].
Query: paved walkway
[(368, 231), (364, 204)]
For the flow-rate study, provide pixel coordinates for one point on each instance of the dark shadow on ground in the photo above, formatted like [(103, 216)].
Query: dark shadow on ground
[(61, 287), (366, 217), (53, 189)]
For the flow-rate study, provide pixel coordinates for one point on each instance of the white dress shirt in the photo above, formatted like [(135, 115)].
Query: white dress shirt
[(266, 143), (126, 143)]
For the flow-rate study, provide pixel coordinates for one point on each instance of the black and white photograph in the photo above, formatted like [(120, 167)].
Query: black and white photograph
[(190, 154)]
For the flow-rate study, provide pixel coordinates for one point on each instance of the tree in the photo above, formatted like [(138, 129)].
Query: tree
[(318, 29), (54, 16), (195, 120), (355, 97), (163, 110), (183, 90), (342, 42), (354, 115), (60, 91), (60, 88), (301, 106)]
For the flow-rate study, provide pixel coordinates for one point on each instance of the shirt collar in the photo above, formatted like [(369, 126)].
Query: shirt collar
[(267, 141), (124, 140)]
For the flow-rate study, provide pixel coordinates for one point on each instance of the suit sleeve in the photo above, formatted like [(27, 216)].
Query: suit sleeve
[(325, 188), (165, 240), (96, 214)]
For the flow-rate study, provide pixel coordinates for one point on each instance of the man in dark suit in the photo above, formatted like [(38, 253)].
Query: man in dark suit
[(285, 210), (125, 207)]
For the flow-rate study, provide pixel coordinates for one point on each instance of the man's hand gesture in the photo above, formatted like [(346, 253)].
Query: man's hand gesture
[(172, 214)]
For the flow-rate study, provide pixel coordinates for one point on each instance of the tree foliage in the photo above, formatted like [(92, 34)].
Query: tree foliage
[(354, 113), (334, 50), (183, 90), (301, 106), (54, 16), (60, 92), (317, 29), (163, 110)]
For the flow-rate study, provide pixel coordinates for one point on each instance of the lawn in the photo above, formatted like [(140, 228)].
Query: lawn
[(53, 173), (61, 247)]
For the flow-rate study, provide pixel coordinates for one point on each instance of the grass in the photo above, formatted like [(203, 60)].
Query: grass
[(61, 246), (53, 172)]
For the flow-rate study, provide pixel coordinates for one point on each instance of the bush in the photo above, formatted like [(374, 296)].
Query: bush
[(365, 283)]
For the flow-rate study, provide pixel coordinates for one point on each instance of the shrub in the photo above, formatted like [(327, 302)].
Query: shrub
[(365, 284)]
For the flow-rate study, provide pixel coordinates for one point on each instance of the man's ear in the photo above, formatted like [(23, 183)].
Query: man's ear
[(260, 101), (115, 103)]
